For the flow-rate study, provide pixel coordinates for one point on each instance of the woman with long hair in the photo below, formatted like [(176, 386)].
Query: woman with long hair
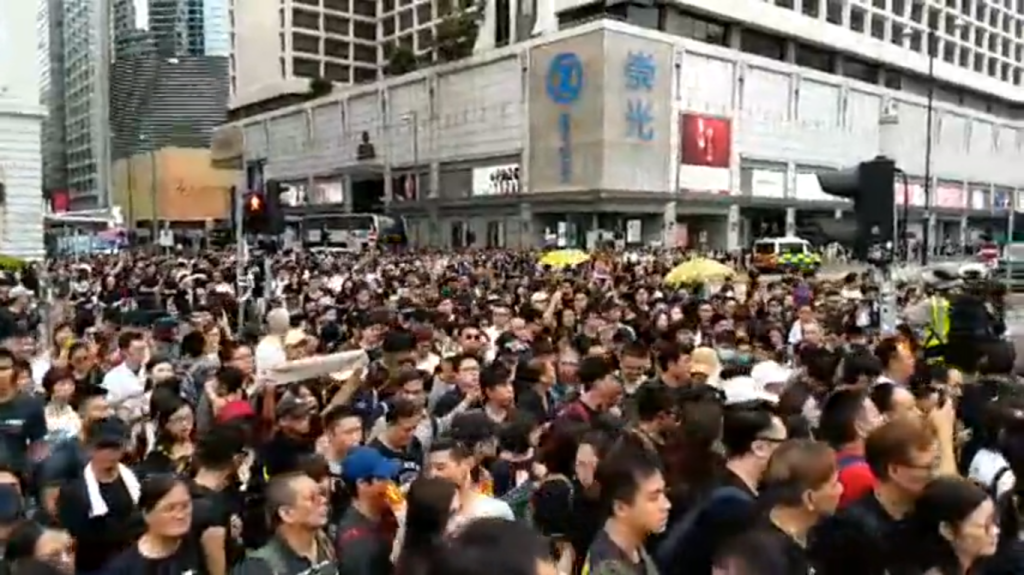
[(954, 525), (166, 446), (164, 548), (430, 503)]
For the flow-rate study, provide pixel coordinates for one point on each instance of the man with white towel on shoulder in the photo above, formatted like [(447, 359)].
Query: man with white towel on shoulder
[(98, 508)]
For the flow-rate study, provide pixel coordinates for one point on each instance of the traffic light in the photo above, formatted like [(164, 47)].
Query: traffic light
[(871, 185), (254, 213), (274, 210)]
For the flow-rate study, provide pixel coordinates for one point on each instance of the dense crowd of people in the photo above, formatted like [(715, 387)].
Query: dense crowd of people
[(480, 412)]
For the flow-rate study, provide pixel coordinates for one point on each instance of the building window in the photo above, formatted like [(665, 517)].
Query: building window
[(785, 4), (834, 12), (364, 75), (856, 19), (878, 4), (694, 27), (423, 15), (754, 42), (948, 51), (305, 43), (965, 57), (917, 11), (337, 72), (337, 5), (337, 48), (365, 8), (811, 8), (899, 7), (893, 80), (306, 68), (878, 26), (424, 38), (405, 20), (898, 34), (860, 70), (365, 54), (336, 25), (814, 58), (305, 20), (365, 31)]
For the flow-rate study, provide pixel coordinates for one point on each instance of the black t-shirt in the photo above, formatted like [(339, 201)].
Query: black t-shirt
[(861, 539), (411, 458), (767, 550), (217, 509), (282, 454), (187, 559), (362, 547), (604, 557), (22, 422)]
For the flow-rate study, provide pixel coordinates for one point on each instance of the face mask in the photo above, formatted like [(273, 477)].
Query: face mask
[(726, 354)]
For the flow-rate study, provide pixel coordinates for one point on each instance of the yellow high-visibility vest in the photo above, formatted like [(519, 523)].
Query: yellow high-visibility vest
[(937, 330)]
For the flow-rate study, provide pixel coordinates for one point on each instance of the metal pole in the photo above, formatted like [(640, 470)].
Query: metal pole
[(928, 148), (416, 154), (1004, 256), (239, 254)]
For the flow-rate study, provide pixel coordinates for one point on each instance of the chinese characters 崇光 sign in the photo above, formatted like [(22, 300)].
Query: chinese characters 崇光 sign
[(564, 85), (640, 73)]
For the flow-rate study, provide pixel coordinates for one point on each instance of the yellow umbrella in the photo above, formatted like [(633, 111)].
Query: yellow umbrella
[(564, 258), (11, 263), (698, 270)]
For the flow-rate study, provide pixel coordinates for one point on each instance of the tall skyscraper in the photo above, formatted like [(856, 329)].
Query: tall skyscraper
[(166, 84)]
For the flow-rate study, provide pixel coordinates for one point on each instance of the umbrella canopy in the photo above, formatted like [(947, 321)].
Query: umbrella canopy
[(564, 258), (11, 263), (698, 270)]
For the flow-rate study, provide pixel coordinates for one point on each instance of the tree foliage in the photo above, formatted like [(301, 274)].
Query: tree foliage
[(320, 87), (400, 60), (456, 33)]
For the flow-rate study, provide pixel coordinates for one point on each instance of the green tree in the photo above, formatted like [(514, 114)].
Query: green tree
[(456, 33), (319, 87), (400, 60)]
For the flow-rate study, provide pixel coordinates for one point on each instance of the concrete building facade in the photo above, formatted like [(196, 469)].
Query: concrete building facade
[(608, 124), (21, 203)]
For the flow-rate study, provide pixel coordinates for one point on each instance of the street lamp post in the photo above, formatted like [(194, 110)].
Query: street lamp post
[(929, 113), (413, 119)]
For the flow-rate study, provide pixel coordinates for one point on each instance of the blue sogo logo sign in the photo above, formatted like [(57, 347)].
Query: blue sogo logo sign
[(565, 78)]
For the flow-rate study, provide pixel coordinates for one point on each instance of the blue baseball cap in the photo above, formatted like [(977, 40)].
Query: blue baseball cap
[(365, 463)]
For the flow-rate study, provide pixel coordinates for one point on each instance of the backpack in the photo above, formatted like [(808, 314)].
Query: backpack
[(271, 555), (679, 534)]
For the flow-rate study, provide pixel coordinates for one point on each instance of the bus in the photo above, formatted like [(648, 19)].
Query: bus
[(352, 232)]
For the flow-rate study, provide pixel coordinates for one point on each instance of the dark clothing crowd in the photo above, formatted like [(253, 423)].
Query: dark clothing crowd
[(494, 411)]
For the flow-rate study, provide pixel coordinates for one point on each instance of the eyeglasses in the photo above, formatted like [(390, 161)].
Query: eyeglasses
[(775, 440)]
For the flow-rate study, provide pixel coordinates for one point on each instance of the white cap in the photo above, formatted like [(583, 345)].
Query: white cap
[(770, 372), (743, 389)]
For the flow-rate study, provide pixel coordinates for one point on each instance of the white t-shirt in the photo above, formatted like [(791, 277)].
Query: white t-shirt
[(269, 354), (482, 506), (986, 465)]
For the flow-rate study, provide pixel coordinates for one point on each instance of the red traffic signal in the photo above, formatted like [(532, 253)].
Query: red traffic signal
[(254, 203)]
